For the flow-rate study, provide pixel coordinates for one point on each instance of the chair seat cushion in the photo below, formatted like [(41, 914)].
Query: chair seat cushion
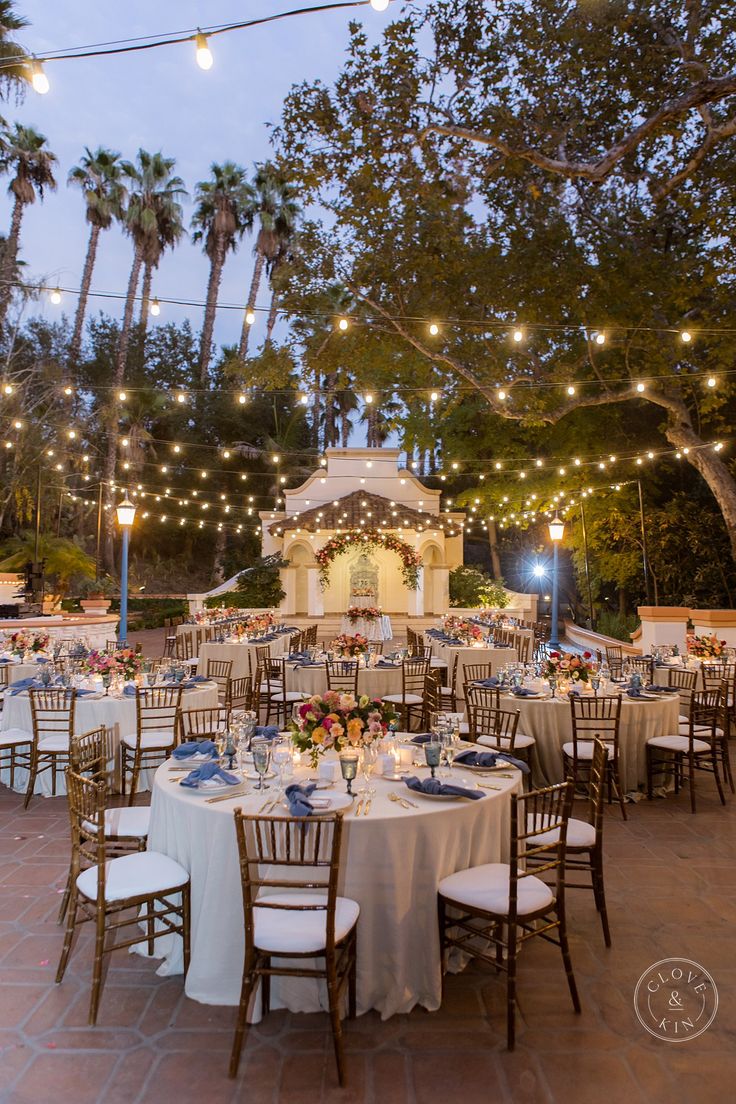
[(520, 741), (131, 821), (580, 834), (13, 736), (446, 691), (585, 749), (678, 743), (404, 699), (151, 741), (272, 687), (286, 931), (58, 742), (487, 888), (289, 696), (698, 730), (137, 875)]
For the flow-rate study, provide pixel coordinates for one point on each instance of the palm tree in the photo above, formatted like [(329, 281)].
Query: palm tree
[(277, 211), (170, 231), (13, 58), (225, 209), (32, 162), (64, 559), (100, 176)]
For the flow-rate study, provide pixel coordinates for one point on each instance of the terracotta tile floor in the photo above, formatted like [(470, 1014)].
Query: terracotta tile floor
[(671, 883)]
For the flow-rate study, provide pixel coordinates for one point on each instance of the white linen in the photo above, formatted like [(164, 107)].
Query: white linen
[(239, 652), (376, 681), (497, 657), (375, 628), (392, 862)]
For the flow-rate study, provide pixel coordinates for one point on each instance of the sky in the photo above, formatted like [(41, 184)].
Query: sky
[(161, 100)]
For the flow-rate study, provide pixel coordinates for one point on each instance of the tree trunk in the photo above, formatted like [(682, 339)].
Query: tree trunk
[(493, 545), (10, 258), (713, 470), (146, 296), (208, 326), (272, 315), (252, 296), (330, 435), (344, 430), (75, 345)]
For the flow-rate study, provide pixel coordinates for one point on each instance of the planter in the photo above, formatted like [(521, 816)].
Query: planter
[(95, 605)]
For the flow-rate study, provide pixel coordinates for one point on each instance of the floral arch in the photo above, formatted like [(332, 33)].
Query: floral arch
[(338, 545)]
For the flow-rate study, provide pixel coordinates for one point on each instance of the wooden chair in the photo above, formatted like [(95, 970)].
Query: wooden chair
[(411, 698), (509, 904), (685, 681), (52, 716), (157, 726), (523, 644), (342, 675), (292, 920), (170, 644), (220, 672), (203, 724), (310, 636), (110, 892), (644, 665), (15, 743), (615, 659), (713, 674), (184, 648), (700, 744), (375, 647), (420, 651), (275, 694), (498, 729), (296, 643), (241, 694), (598, 717), (475, 672), (449, 692)]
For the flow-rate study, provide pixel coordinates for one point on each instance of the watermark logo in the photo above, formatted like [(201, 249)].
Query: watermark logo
[(675, 1000)]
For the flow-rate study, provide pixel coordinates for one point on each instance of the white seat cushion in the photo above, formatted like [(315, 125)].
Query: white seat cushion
[(698, 730), (520, 741), (580, 834), (464, 728), (59, 741), (15, 736), (284, 931), (273, 687), (487, 888), (289, 696), (585, 749), (129, 821), (404, 699), (136, 875), (678, 743), (151, 741), (446, 690)]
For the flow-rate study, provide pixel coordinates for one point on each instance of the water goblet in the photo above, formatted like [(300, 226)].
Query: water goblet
[(368, 762), (553, 685), (349, 768), (432, 754), (281, 757), (106, 680), (595, 682), (261, 759)]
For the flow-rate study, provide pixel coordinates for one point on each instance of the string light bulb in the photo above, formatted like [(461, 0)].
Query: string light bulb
[(7, 389), (205, 59), (39, 80), (155, 308), (641, 387), (122, 396), (686, 336), (434, 329), (250, 317), (600, 339), (571, 390), (343, 324), (55, 296), (501, 395), (518, 336), (369, 399), (380, 5), (711, 381)]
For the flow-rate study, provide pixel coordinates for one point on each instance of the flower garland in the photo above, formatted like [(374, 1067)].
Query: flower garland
[(411, 561), (367, 613)]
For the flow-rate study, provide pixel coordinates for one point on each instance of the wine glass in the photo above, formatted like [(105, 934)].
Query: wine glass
[(349, 768), (432, 754), (595, 681), (261, 759), (368, 762), (281, 757), (552, 684)]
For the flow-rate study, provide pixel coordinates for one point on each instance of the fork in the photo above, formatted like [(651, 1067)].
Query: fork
[(402, 801), (359, 806)]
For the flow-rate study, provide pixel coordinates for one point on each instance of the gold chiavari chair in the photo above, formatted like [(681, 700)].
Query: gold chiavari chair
[(296, 643), (295, 921), (509, 904), (487, 697), (203, 724), (310, 636), (170, 641), (342, 675), (411, 699), (184, 649), (713, 674), (412, 638), (600, 718), (523, 644), (220, 672), (644, 665), (241, 694), (419, 650), (52, 715), (476, 672), (498, 729), (615, 659), (157, 726), (448, 692), (685, 681), (15, 743), (116, 894), (699, 745), (375, 647)]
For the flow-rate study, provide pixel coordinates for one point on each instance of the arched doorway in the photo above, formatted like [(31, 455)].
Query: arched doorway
[(299, 556)]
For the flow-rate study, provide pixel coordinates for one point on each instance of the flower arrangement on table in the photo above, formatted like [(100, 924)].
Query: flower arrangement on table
[(212, 616), (463, 630), (705, 647), (370, 613), (334, 720), (568, 665), (123, 661), (346, 645), (21, 642), (259, 623)]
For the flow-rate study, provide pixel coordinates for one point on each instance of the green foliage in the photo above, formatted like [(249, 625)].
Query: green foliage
[(259, 586), (64, 559), (618, 625), (471, 588)]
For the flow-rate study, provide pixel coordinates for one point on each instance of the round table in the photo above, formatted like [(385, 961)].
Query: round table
[(18, 671), (240, 651), (549, 721), (497, 657), (376, 681), (372, 628), (392, 862), (118, 714)]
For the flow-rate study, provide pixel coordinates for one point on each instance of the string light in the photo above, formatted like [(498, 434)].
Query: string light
[(641, 387), (434, 329), (39, 80), (205, 59), (711, 381), (155, 308), (571, 390), (122, 396), (249, 317), (686, 336), (380, 5), (600, 339), (501, 395), (518, 336), (55, 297), (343, 324)]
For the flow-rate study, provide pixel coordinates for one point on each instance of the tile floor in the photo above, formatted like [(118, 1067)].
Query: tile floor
[(671, 883)]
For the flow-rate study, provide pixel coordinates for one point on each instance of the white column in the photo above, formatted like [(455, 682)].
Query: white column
[(415, 602), (663, 625), (316, 606), (288, 584)]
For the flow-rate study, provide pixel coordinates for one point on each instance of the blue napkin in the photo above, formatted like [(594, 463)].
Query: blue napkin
[(209, 772), (41, 659), (195, 747), (24, 684), (524, 692), (266, 732), (4, 661), (657, 689), (310, 663), (386, 663), (291, 629), (472, 758), (634, 692), (269, 636), (298, 798), (434, 786), (85, 693), (491, 682), (198, 678), (422, 738), (130, 691)]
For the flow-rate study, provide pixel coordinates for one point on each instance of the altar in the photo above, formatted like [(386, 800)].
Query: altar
[(374, 629)]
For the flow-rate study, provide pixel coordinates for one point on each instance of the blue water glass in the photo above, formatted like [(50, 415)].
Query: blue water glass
[(432, 753)]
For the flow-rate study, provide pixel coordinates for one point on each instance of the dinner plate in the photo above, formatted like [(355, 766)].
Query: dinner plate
[(210, 791)]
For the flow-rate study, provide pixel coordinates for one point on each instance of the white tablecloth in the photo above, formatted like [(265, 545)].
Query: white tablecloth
[(497, 657), (374, 628), (18, 671), (117, 713), (549, 721), (392, 863), (376, 681), (239, 652)]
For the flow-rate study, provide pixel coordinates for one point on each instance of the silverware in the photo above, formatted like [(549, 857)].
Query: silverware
[(359, 806), (367, 806), (238, 792), (403, 801), (265, 805)]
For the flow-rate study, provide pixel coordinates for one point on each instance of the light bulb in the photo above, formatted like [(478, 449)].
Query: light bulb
[(686, 336), (600, 339), (122, 396), (518, 335), (55, 297), (242, 399), (434, 396), (380, 5), (343, 324), (369, 399), (39, 80), (571, 390), (205, 59), (711, 381), (250, 317), (434, 329), (155, 308), (501, 395)]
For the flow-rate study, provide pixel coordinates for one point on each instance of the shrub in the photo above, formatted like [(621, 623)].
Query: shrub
[(471, 588)]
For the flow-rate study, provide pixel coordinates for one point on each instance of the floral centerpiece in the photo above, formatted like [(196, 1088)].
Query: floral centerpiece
[(705, 647), (21, 642), (346, 645), (370, 613), (123, 661), (461, 629), (334, 720), (259, 623), (211, 616), (561, 665)]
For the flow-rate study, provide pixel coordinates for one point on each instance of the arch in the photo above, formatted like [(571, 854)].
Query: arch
[(300, 555)]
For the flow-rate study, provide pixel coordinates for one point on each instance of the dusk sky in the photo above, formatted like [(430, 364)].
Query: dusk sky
[(161, 100)]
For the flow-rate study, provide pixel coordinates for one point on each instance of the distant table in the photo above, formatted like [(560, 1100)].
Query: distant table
[(372, 628), (497, 657)]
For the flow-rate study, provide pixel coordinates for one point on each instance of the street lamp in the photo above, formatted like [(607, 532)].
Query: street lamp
[(556, 532), (126, 516)]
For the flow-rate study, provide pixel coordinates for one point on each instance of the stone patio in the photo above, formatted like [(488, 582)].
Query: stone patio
[(671, 884)]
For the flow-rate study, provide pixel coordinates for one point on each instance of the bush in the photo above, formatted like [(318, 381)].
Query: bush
[(151, 613), (617, 625), (259, 587), (471, 588)]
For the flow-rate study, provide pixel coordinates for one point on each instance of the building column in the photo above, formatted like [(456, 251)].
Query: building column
[(316, 605), (287, 576), (663, 625), (415, 601)]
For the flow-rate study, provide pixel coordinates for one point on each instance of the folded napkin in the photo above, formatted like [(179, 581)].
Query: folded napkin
[(523, 692), (434, 786), (41, 659), (266, 732), (196, 678), (290, 629), (202, 749), (209, 772), (386, 663), (634, 692), (489, 682), (472, 758), (130, 691), (657, 689), (24, 684), (310, 663), (422, 738), (85, 693), (299, 655), (269, 636), (5, 659), (298, 798)]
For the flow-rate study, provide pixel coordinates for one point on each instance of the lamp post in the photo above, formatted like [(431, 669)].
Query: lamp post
[(556, 532), (126, 517)]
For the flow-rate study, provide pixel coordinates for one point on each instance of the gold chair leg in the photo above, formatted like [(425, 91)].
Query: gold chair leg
[(241, 1026), (32, 774), (334, 1002), (71, 918)]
